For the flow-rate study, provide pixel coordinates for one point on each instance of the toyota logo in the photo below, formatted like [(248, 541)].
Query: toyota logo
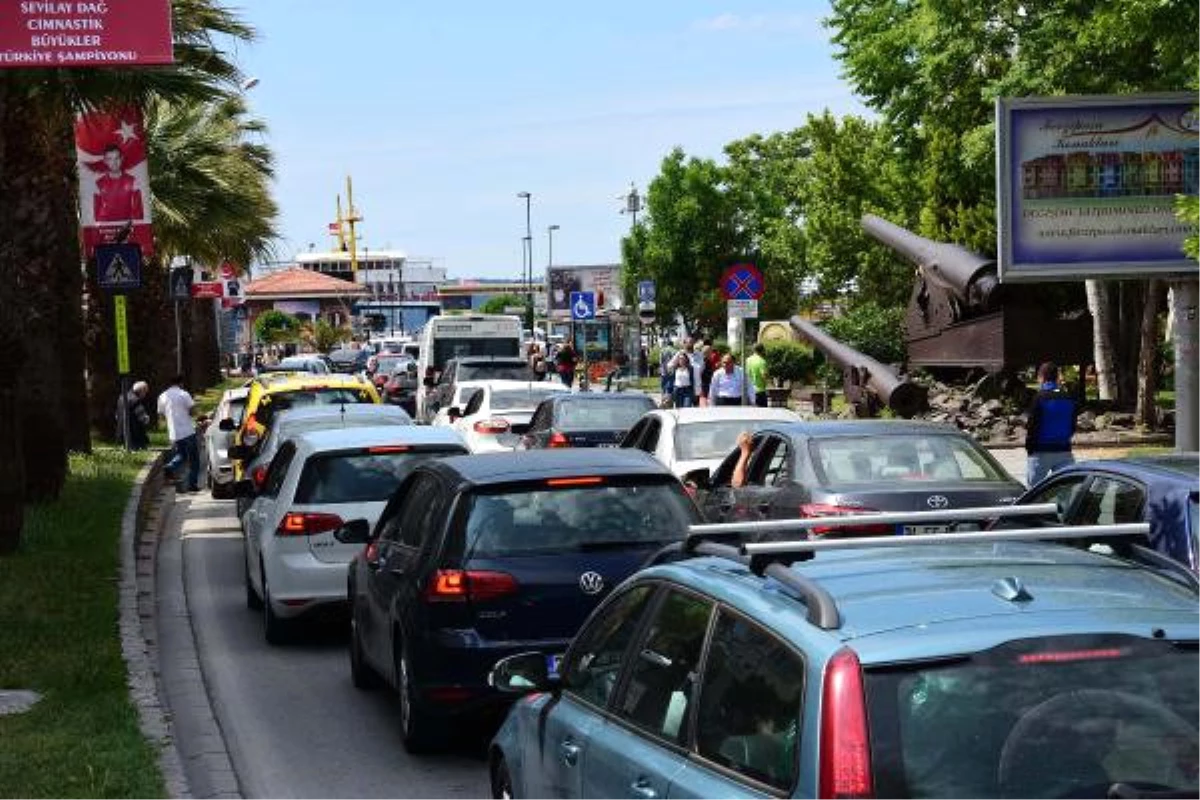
[(937, 501), (591, 582)]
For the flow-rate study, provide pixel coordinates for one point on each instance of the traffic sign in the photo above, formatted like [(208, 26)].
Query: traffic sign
[(118, 267), (742, 282), (181, 283), (583, 305), (647, 293), (745, 309), (206, 290)]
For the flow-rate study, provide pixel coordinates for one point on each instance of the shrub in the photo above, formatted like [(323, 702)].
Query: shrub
[(873, 330), (789, 361)]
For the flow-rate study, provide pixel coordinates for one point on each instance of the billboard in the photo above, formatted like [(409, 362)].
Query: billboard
[(114, 181), (603, 281), (1086, 186), (118, 33)]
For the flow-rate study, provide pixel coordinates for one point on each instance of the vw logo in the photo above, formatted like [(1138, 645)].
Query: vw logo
[(591, 582), (937, 501)]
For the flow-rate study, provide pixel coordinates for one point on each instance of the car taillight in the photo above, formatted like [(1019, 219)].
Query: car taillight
[(259, 476), (492, 426), (825, 510), (558, 440), (457, 585), (845, 755), (297, 523)]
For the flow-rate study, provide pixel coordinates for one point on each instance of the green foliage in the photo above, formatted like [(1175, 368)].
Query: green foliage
[(789, 361), (325, 337), (872, 329), (1188, 210), (497, 304), (276, 327)]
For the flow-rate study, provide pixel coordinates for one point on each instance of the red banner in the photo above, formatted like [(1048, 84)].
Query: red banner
[(116, 33), (207, 290), (114, 181)]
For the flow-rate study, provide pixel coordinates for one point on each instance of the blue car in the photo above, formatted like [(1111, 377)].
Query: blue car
[(1160, 489), (969, 669)]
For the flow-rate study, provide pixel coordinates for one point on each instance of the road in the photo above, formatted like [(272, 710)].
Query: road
[(293, 723)]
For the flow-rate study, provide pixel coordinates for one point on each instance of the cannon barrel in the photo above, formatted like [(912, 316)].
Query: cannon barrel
[(902, 396), (969, 277)]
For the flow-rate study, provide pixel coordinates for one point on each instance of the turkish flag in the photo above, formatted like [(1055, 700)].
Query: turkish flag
[(114, 180)]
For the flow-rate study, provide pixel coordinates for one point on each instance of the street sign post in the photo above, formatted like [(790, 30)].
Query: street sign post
[(742, 285), (583, 305), (743, 309), (181, 283), (118, 267), (122, 330)]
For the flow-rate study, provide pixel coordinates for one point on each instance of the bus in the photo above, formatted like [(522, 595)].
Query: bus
[(447, 337)]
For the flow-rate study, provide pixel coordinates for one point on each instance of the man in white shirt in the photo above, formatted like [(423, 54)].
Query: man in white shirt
[(729, 385), (175, 405)]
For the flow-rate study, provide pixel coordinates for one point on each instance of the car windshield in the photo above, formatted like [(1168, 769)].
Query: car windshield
[(445, 349), (902, 457), (497, 372), (697, 440), (320, 396), (509, 399), (617, 413), (1063, 716), (387, 363), (355, 477), (559, 520), (299, 364), (237, 410)]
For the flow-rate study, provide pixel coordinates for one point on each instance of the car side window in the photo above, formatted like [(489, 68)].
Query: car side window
[(278, 470), (413, 514), (1110, 501), (389, 528), (541, 418), (1062, 492), (767, 461), (634, 437), (430, 488), (649, 442), (592, 665), (750, 703), (665, 667)]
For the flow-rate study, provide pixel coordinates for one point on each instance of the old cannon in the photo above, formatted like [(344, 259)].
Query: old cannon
[(961, 318), (867, 383)]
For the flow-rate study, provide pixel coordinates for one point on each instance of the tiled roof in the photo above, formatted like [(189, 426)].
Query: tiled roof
[(298, 282)]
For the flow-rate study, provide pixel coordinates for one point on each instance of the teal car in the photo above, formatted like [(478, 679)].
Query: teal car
[(1015, 668)]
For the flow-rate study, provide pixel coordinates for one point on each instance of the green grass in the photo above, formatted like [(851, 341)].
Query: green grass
[(58, 636)]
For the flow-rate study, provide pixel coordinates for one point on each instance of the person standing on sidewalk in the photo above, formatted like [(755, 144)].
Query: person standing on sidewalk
[(756, 373), (729, 385), (175, 404), (136, 416), (1051, 426)]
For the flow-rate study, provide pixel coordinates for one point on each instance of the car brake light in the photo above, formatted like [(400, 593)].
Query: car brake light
[(589, 481), (845, 755), (558, 440), (388, 448), (456, 585), (1065, 656), (825, 510), (493, 426), (259, 476), (295, 523)]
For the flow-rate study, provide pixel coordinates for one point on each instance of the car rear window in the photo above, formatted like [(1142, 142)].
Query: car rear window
[(358, 476), (494, 372), (712, 439), (603, 414), (316, 396), (907, 457), (534, 519), (1065, 716), (507, 399)]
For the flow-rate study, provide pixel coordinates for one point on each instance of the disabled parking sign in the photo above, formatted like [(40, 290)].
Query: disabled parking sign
[(583, 305)]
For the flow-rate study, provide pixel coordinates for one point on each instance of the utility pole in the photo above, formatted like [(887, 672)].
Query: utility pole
[(352, 218)]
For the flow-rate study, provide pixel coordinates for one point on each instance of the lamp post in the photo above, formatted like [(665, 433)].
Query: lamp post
[(528, 270), (550, 237), (633, 204)]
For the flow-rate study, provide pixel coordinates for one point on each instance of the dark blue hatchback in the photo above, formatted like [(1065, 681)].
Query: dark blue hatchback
[(477, 558)]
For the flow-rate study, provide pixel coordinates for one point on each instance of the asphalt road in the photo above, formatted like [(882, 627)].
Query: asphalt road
[(293, 723)]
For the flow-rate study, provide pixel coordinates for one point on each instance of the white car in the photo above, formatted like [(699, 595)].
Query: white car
[(294, 561), (217, 441), (691, 439), (495, 413)]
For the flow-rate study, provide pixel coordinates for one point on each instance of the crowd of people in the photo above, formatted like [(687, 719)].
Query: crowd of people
[(697, 374)]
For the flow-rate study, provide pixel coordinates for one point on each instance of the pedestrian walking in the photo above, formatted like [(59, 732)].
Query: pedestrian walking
[(566, 364), (1050, 427), (666, 364), (137, 416), (685, 382), (708, 367), (176, 405), (729, 385), (756, 373)]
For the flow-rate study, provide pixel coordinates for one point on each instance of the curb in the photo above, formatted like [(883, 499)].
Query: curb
[(137, 624)]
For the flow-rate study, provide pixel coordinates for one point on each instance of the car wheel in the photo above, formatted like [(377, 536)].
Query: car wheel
[(253, 601), (501, 780), (275, 630), (417, 727), (361, 673)]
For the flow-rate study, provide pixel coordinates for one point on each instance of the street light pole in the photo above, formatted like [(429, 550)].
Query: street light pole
[(529, 260), (550, 236)]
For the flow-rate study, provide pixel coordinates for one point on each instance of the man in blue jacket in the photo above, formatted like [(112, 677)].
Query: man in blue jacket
[(1051, 426)]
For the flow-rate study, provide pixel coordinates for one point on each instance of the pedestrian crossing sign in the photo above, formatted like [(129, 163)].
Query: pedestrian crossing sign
[(119, 267)]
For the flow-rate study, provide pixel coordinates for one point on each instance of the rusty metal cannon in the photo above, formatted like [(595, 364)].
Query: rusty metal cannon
[(960, 316), (867, 383)]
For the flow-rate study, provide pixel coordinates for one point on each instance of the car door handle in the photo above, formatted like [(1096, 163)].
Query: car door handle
[(641, 788), (570, 752)]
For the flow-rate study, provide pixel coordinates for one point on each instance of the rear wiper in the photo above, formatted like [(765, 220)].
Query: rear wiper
[(1123, 790), (591, 547)]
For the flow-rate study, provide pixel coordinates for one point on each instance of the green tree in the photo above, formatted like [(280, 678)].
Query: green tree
[(497, 304), (276, 327)]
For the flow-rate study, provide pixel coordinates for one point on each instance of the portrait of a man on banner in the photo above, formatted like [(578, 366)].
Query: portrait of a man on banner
[(114, 180)]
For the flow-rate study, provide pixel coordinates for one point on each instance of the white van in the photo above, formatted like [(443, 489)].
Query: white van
[(444, 338)]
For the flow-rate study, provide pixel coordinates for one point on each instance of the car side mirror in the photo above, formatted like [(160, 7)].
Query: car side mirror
[(700, 478), (356, 531), (454, 413), (522, 674), (227, 424), (244, 488)]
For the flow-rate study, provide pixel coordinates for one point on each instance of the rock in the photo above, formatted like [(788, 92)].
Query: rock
[(1086, 422), (1118, 420), (1103, 422), (1018, 433), (994, 406)]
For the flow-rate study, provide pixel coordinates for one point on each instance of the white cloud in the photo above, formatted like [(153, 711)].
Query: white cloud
[(768, 23)]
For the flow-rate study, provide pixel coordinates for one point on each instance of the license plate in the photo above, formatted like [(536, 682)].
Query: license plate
[(553, 663), (609, 444), (917, 530)]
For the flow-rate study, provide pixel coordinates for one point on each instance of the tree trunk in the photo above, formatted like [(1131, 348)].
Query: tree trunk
[(101, 358), (1147, 372), (1131, 307), (1098, 305)]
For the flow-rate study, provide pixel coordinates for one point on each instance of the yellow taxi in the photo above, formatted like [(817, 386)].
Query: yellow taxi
[(275, 392)]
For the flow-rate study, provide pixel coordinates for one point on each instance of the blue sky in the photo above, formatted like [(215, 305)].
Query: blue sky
[(442, 112)]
